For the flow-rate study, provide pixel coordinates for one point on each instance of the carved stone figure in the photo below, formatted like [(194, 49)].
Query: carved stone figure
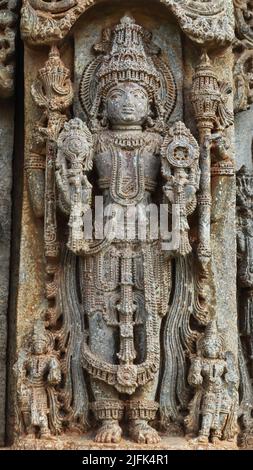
[(215, 382), (134, 93), (37, 374)]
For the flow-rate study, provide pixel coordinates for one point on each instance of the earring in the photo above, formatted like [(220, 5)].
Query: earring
[(104, 120)]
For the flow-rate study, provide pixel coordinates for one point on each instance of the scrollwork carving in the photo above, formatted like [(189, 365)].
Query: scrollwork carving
[(205, 22), (209, 22)]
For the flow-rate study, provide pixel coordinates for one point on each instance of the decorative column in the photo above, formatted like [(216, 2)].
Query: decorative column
[(205, 99), (51, 91)]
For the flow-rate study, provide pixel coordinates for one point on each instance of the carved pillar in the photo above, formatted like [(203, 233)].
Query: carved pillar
[(8, 19)]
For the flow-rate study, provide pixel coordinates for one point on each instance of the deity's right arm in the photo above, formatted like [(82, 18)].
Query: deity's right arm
[(195, 377)]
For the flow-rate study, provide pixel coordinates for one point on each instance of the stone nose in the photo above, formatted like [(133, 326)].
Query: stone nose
[(129, 100)]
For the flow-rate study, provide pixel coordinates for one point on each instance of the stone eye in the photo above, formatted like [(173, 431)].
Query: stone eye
[(140, 95), (115, 96)]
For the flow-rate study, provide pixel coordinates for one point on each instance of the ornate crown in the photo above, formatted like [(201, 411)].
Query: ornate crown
[(127, 53), (210, 336), (127, 60), (40, 334)]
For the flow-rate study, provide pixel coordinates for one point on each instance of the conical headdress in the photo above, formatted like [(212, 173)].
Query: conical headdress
[(210, 335), (40, 333), (127, 59), (127, 53)]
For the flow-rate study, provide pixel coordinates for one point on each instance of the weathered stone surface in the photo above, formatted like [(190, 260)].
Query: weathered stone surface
[(8, 20), (6, 153), (86, 443)]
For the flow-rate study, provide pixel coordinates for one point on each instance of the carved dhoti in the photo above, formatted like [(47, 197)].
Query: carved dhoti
[(121, 302)]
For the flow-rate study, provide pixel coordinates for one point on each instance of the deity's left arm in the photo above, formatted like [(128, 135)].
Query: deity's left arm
[(195, 377), (54, 374)]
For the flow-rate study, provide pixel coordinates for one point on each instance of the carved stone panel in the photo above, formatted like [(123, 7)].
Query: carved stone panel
[(126, 325)]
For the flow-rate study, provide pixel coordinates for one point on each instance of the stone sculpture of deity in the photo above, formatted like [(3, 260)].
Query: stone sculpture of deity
[(213, 375), (39, 372), (128, 92)]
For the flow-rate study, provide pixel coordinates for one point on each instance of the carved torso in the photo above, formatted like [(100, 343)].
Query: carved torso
[(128, 164), (212, 372), (38, 367)]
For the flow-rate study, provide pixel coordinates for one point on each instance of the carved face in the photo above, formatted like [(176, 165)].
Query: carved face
[(39, 346), (212, 349), (127, 104)]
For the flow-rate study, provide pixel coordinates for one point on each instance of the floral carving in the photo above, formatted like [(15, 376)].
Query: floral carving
[(205, 22)]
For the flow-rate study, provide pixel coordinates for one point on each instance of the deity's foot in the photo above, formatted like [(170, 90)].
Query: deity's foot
[(215, 440), (30, 435), (141, 432), (47, 435), (202, 439), (109, 432)]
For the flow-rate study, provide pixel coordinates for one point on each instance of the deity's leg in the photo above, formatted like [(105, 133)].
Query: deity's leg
[(217, 433), (26, 419), (107, 407), (206, 424), (44, 429), (142, 408)]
